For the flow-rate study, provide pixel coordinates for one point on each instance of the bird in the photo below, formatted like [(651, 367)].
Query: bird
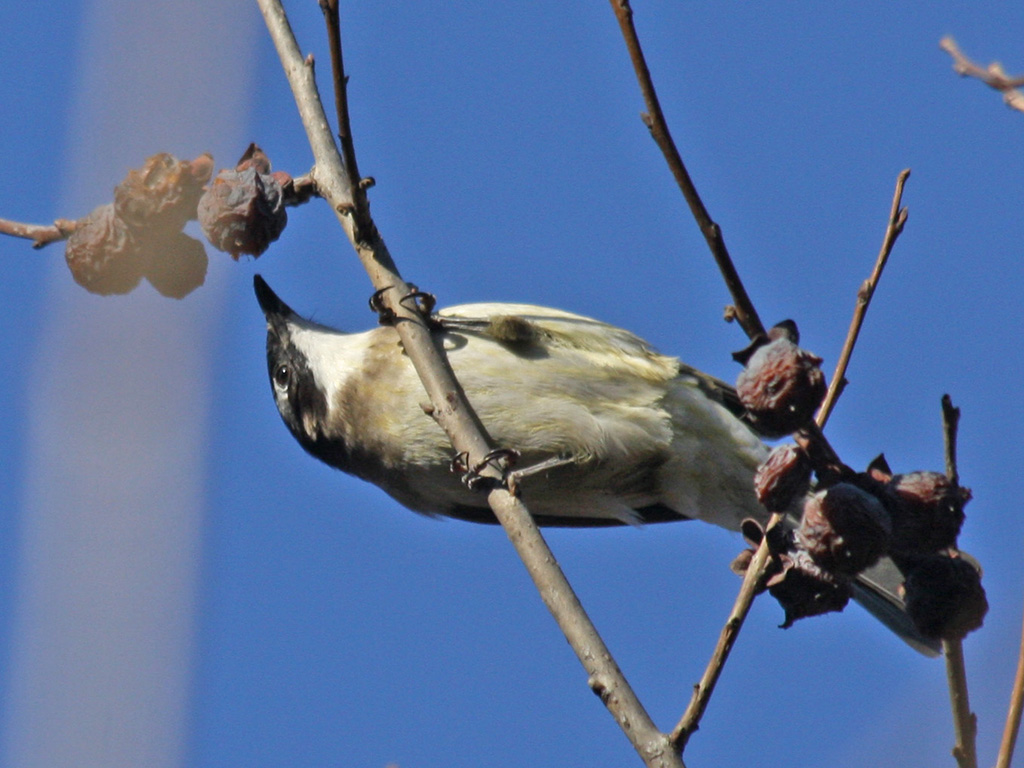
[(609, 431)]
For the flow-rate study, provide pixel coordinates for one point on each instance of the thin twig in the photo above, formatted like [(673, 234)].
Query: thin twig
[(40, 234), (826, 462), (453, 413), (300, 191), (1012, 727), (965, 723), (897, 218), (742, 309), (993, 75), (690, 721), (950, 425), (340, 79)]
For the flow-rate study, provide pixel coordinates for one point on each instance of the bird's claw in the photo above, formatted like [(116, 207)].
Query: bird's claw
[(422, 302), (500, 458), (385, 315)]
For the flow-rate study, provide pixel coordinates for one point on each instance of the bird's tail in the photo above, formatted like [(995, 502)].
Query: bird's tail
[(877, 589)]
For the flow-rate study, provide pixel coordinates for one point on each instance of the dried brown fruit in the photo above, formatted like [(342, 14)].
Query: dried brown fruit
[(803, 589), (163, 194), (243, 212), (844, 528), (944, 596), (175, 264), (102, 253), (782, 478), (781, 387), (927, 511)]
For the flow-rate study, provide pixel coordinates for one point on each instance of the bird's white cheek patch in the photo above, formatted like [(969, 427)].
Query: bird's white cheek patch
[(332, 357)]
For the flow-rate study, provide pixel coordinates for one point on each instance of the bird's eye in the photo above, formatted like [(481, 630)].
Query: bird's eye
[(281, 375)]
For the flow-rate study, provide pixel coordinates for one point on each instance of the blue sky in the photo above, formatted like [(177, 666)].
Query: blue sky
[(271, 611)]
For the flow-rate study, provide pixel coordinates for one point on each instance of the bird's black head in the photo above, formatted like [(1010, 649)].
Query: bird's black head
[(300, 399)]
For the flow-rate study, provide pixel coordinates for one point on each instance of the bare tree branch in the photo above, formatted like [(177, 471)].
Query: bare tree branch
[(993, 75), (690, 721), (339, 185), (1012, 727), (742, 309), (348, 149), (40, 234), (965, 723), (897, 218)]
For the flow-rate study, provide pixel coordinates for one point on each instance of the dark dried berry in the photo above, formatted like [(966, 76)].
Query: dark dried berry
[(782, 478), (243, 212), (803, 589), (163, 194), (781, 387), (844, 528), (927, 511), (102, 253), (175, 264), (944, 596)]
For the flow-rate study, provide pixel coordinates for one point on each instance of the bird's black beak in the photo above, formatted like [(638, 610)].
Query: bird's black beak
[(270, 303)]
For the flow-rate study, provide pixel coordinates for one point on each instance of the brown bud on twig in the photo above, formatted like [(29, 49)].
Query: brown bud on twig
[(782, 478), (162, 195), (927, 511), (944, 596), (844, 529), (103, 254), (781, 387)]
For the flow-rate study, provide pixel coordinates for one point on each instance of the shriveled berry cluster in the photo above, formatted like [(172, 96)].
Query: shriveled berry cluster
[(852, 519), (140, 233)]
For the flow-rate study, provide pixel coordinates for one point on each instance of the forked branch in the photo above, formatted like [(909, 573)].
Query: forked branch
[(338, 182), (993, 75), (813, 440)]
